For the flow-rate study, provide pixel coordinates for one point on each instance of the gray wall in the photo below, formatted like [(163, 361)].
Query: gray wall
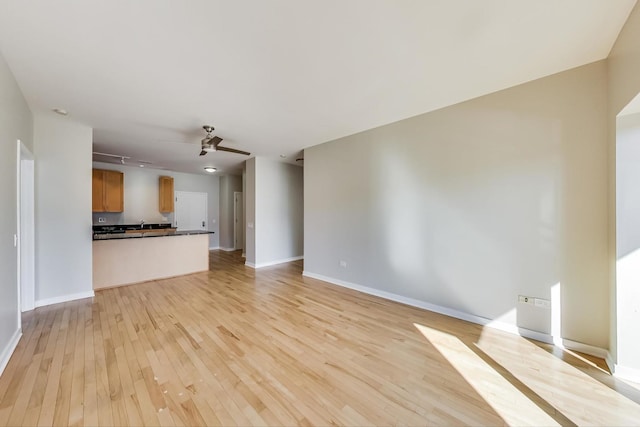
[(628, 182), (228, 185), (141, 193), (472, 205), (250, 211), (278, 211), (15, 123), (623, 85), (273, 211), (62, 208)]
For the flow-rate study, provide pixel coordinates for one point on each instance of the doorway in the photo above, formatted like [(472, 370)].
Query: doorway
[(238, 220), (26, 228), (627, 291), (190, 211)]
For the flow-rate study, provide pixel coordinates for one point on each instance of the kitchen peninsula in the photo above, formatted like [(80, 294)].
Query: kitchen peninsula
[(124, 255)]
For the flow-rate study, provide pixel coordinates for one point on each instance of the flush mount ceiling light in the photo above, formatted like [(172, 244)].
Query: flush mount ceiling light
[(284, 156), (60, 111), (210, 169)]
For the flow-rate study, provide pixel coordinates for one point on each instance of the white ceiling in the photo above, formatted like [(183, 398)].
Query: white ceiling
[(274, 77)]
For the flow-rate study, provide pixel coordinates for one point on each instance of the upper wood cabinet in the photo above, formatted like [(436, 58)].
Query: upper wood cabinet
[(166, 194), (108, 191)]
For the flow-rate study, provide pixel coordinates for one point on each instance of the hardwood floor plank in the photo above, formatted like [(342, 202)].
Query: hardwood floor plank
[(237, 346)]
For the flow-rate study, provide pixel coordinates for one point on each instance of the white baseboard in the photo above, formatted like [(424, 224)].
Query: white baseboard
[(586, 349), (627, 373), (9, 349), (64, 298), (227, 249), (611, 363), (270, 263), (214, 248), (506, 327)]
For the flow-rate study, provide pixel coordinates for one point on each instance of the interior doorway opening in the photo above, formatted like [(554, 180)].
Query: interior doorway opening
[(26, 228), (626, 304), (238, 220)]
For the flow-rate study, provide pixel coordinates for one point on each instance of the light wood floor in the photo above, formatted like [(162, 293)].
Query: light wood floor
[(235, 346)]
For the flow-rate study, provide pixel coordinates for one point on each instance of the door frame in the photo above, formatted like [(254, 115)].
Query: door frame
[(25, 237)]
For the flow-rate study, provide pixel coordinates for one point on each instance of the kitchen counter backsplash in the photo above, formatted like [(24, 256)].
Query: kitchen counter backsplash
[(121, 219), (122, 228)]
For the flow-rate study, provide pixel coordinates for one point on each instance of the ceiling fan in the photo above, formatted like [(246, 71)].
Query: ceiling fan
[(211, 143)]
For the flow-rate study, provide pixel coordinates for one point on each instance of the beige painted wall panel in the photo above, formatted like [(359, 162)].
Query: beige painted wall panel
[(470, 206), (126, 261)]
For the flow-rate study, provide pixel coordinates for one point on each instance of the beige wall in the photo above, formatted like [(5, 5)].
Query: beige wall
[(15, 123), (472, 205), (62, 208), (623, 85)]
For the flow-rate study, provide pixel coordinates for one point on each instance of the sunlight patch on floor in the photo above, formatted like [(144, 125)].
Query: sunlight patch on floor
[(546, 375), (505, 399)]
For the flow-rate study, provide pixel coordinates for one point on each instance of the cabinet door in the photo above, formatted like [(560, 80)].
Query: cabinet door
[(98, 191), (113, 191), (166, 194)]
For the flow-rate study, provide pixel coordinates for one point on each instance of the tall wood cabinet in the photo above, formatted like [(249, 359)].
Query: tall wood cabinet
[(108, 191), (166, 194)]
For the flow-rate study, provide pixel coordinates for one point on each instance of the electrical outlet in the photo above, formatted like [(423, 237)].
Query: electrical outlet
[(542, 303), (102, 219), (525, 300), (343, 264)]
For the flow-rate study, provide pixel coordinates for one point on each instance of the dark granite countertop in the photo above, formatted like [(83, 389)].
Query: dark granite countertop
[(150, 233)]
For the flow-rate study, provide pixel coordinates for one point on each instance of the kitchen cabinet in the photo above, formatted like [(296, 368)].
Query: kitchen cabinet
[(166, 194), (108, 191)]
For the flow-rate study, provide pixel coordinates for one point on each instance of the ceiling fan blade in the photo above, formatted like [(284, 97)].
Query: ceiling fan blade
[(215, 141), (233, 150), (202, 153)]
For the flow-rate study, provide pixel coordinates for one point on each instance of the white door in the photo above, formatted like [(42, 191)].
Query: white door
[(191, 211), (238, 220)]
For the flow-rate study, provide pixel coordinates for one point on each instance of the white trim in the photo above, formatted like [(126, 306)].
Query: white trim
[(627, 373), (276, 262), (610, 363), (16, 238), (214, 248), (506, 327), (64, 298), (9, 349), (586, 349), (227, 249)]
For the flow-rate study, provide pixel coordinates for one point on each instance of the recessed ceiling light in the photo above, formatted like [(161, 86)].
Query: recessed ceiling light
[(283, 156), (60, 111), (141, 166), (210, 169)]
